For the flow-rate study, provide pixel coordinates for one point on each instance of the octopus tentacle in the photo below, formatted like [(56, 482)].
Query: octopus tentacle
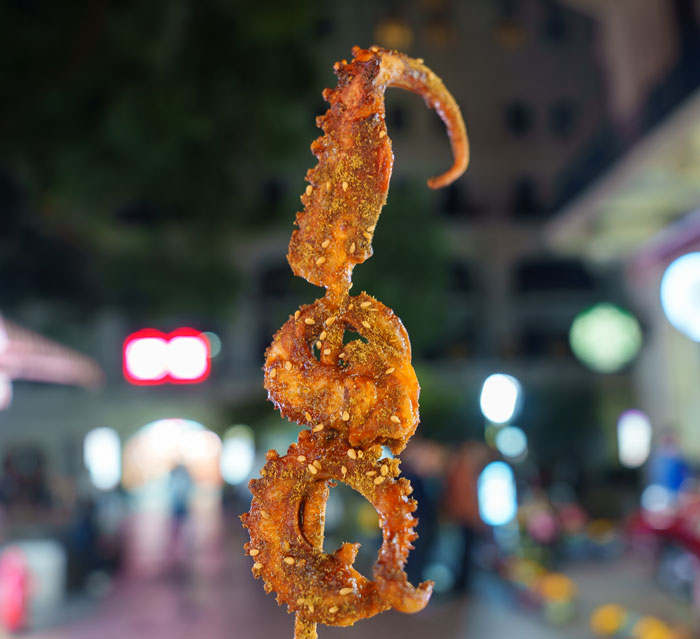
[(348, 186), (355, 396)]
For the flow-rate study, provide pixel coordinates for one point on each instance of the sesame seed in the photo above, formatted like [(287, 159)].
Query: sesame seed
[(384, 470), (345, 186), (360, 454), (288, 365), (367, 235), (264, 514), (309, 189), (371, 228), (366, 324), (345, 591), (311, 607), (389, 371), (309, 321), (343, 470), (378, 480), (316, 462), (320, 261), (254, 552), (296, 314), (371, 473), (273, 373), (365, 304), (301, 458), (352, 247), (341, 355), (300, 601), (333, 609), (351, 306), (346, 416), (382, 134), (319, 344), (328, 186), (327, 351), (289, 561), (325, 243), (285, 545), (351, 453), (329, 321), (322, 335), (318, 429), (307, 416), (257, 565), (312, 469), (395, 419)]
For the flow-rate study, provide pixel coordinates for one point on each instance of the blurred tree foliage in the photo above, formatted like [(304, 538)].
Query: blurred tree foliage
[(134, 139)]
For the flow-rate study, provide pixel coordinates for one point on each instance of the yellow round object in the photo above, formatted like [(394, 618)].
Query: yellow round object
[(651, 628), (608, 619), (557, 587)]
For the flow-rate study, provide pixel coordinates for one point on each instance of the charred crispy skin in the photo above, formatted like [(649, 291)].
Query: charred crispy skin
[(325, 587), (355, 396), (348, 187), (368, 391)]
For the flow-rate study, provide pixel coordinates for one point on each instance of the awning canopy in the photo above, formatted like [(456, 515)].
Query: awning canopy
[(27, 355), (647, 199)]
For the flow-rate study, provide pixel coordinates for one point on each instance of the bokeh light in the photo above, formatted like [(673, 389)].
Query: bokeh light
[(634, 433), (103, 457), (605, 338), (214, 343), (511, 442), (237, 454), (157, 447), (500, 396), (680, 294), (498, 503)]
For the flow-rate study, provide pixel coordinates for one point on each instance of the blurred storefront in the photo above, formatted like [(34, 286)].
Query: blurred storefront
[(635, 222)]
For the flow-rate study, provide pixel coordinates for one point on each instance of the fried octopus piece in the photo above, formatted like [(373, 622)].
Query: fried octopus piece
[(348, 187), (324, 587), (365, 389)]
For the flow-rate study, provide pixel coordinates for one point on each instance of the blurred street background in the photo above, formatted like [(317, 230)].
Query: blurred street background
[(152, 156)]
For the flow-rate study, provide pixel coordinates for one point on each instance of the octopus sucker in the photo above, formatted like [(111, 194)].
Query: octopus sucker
[(353, 396)]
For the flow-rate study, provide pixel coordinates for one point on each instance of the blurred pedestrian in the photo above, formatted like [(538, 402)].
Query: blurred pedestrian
[(461, 503), (667, 466), (180, 487)]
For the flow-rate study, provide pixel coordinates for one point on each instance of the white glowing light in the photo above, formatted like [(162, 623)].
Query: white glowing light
[(605, 338), (187, 357), (103, 459), (199, 445), (634, 434), (680, 294), (237, 454), (5, 391), (146, 358), (499, 397), (511, 441), (498, 503)]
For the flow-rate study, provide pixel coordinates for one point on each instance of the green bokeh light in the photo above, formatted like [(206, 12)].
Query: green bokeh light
[(605, 338)]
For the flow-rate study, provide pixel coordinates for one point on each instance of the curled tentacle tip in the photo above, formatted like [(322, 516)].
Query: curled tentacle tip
[(449, 176)]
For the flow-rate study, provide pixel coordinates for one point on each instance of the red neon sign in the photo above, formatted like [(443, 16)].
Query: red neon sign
[(152, 357)]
